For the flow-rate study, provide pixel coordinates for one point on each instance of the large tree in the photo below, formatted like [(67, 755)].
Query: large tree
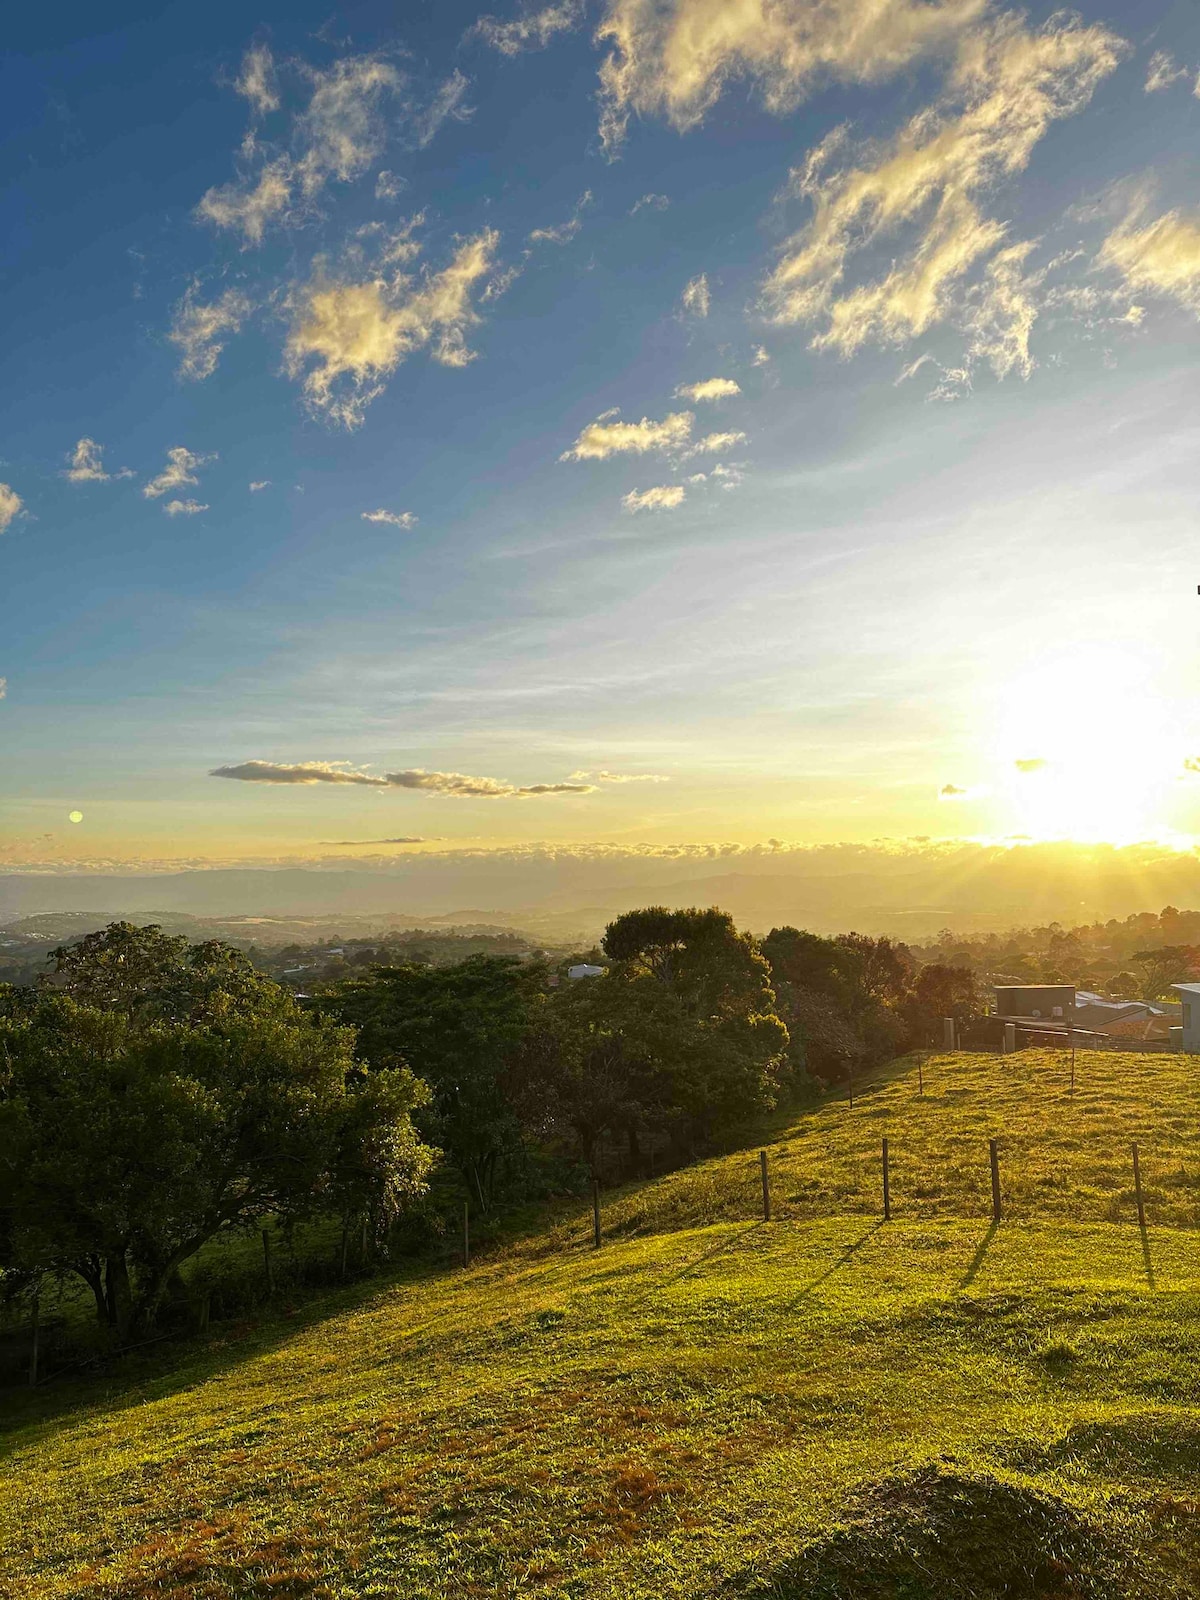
[(142, 1120), (459, 1028)]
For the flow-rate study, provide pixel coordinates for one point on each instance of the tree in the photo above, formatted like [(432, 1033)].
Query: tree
[(938, 991), (458, 1028), (1159, 969), (697, 1009), (133, 1132)]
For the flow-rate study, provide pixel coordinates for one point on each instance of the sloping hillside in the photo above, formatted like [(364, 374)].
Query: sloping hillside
[(823, 1406)]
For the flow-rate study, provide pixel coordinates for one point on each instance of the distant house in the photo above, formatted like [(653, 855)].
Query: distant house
[(1036, 1002), (1189, 1033), (584, 970)]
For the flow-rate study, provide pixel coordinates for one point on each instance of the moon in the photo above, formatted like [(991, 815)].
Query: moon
[(74, 816)]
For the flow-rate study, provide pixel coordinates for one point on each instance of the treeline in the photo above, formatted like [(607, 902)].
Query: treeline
[(1137, 957), (155, 1094)]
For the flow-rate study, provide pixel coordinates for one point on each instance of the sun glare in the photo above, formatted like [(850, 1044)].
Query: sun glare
[(1088, 749)]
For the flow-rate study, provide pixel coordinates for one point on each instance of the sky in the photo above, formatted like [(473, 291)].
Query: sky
[(640, 425)]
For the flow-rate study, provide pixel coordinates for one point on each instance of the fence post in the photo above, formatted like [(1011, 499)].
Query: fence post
[(268, 1265), (466, 1233), (995, 1155), (36, 1330), (852, 1086), (887, 1186), (948, 1033), (1137, 1187), (595, 1213), (1010, 1038), (766, 1185), (920, 1077)]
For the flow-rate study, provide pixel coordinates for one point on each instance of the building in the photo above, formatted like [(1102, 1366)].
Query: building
[(1189, 1032), (1036, 1002), (584, 970)]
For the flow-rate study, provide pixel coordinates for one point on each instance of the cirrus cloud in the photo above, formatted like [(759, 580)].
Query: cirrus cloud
[(1009, 84), (673, 58), (200, 332), (87, 465), (662, 497), (395, 519)]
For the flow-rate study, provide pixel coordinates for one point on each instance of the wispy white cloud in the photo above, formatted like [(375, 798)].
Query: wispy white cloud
[(347, 338), (1161, 256), (396, 519), (714, 443), (1008, 85), (606, 437), (200, 331), (87, 465), (456, 785), (342, 130), (662, 497), (672, 58), (649, 202), (3, 688), (565, 231), (10, 506), (619, 777), (531, 30), (1163, 72), (695, 299), (251, 203), (708, 389), (761, 355), (257, 81), (449, 104), (388, 186), (183, 508), (179, 473), (259, 484)]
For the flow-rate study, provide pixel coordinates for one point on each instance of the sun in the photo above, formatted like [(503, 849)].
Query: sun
[(1087, 749)]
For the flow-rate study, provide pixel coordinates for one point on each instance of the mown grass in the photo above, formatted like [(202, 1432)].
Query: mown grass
[(820, 1408)]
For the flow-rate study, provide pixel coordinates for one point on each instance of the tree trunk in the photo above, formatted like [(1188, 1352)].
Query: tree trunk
[(91, 1273), (119, 1294)]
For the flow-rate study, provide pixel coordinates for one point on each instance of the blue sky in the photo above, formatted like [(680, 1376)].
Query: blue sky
[(455, 290)]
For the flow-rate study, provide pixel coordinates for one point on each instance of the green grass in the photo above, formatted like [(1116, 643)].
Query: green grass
[(824, 1407)]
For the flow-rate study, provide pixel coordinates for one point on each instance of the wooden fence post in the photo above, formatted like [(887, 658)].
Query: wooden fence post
[(852, 1086), (1137, 1188), (595, 1213), (920, 1076), (766, 1185), (995, 1155), (887, 1186), (948, 1033), (466, 1233)]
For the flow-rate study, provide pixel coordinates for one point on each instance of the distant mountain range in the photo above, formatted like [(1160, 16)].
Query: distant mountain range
[(912, 892)]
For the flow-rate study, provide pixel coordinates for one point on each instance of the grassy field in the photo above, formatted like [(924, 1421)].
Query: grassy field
[(823, 1407)]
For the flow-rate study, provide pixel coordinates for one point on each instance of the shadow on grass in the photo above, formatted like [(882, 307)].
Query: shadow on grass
[(977, 1259), (180, 1363), (847, 1254)]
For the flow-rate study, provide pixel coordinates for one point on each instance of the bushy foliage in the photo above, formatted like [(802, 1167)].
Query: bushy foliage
[(154, 1094)]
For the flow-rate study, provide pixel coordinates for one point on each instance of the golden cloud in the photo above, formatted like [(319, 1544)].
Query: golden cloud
[(10, 506), (604, 437), (709, 389), (673, 59), (663, 497), (179, 473), (347, 338), (1163, 257), (1008, 85), (199, 331)]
